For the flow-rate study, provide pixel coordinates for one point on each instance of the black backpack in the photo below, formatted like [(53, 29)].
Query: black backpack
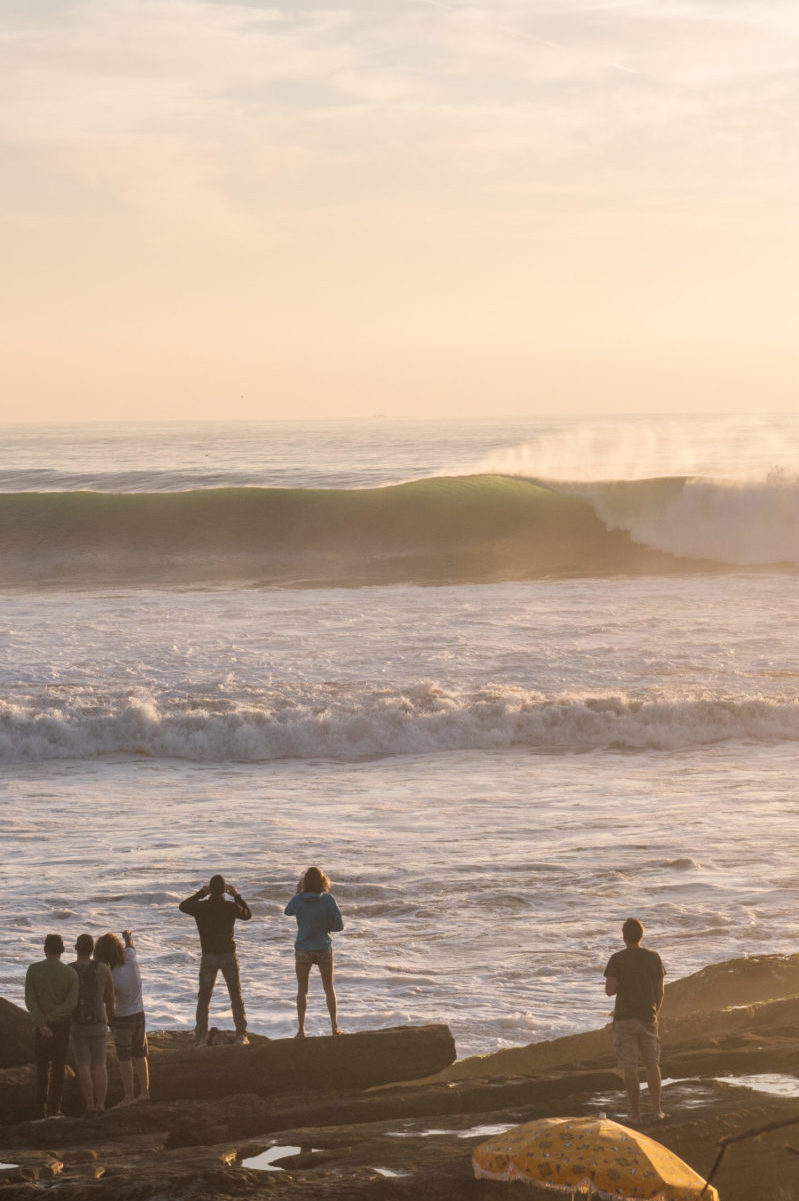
[(91, 1008)]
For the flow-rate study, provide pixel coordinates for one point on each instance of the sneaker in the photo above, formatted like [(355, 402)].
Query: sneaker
[(242, 1040)]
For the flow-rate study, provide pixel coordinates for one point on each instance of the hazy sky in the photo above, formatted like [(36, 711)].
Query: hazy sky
[(243, 209)]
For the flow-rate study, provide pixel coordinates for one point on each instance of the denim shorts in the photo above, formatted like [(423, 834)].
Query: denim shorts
[(130, 1039), (307, 958)]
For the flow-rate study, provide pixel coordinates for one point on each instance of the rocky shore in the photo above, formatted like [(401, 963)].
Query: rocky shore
[(392, 1114)]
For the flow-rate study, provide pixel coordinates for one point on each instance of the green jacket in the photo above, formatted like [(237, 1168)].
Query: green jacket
[(51, 991)]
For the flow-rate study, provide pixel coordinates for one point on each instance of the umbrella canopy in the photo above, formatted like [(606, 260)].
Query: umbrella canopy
[(593, 1156)]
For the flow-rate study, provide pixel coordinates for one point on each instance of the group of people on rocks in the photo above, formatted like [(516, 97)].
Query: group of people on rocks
[(74, 1005)]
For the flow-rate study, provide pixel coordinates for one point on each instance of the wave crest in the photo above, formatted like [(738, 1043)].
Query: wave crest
[(350, 723)]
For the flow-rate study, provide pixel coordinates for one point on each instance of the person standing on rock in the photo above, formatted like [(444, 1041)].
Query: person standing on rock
[(317, 916), (51, 994), (130, 1038), (93, 1015), (634, 977), (215, 918)]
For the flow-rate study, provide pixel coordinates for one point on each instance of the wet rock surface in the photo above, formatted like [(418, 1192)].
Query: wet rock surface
[(330, 1137)]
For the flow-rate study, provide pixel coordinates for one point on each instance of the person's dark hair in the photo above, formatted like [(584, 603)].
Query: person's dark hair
[(84, 944), (109, 949), (53, 944), (217, 885), (315, 880), (632, 931)]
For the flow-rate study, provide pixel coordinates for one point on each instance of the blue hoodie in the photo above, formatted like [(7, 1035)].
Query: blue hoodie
[(317, 914)]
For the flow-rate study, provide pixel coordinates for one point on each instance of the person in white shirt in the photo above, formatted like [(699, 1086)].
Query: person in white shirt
[(130, 1038)]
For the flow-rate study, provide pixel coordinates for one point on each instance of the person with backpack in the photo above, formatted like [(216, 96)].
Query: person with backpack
[(90, 1021)]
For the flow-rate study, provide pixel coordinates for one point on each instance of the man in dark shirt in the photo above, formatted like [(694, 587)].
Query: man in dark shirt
[(215, 918), (634, 977)]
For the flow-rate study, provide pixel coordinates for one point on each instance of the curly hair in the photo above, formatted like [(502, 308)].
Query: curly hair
[(315, 880), (109, 949)]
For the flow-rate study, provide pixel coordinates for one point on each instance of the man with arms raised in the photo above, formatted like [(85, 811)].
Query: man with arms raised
[(215, 918), (634, 977)]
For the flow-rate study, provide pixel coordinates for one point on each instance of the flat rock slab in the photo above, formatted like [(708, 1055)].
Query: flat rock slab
[(340, 1064)]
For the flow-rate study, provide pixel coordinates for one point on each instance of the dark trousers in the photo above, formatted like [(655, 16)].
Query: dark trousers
[(51, 1060), (228, 965)]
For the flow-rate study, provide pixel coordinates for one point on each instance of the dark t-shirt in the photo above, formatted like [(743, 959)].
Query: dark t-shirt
[(638, 973), (215, 918)]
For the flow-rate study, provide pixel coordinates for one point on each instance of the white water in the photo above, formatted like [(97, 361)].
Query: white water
[(494, 776)]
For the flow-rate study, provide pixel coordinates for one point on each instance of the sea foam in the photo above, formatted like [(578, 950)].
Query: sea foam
[(359, 725)]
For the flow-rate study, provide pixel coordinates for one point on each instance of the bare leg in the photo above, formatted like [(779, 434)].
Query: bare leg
[(143, 1075), (653, 1084), (126, 1072), (100, 1085), (303, 974), (86, 1082), (633, 1087), (326, 972)]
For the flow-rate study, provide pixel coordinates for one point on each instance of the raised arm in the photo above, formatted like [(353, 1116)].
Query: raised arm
[(190, 904), (242, 908)]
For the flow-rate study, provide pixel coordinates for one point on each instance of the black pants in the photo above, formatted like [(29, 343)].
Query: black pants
[(51, 1060)]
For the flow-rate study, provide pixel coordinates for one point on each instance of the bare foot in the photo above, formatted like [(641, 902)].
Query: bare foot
[(143, 1097), (125, 1101), (300, 1034), (337, 1030)]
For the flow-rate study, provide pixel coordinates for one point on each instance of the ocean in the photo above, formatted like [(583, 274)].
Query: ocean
[(507, 682)]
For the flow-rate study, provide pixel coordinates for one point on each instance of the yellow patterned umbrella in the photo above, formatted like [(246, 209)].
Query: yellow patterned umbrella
[(591, 1156)]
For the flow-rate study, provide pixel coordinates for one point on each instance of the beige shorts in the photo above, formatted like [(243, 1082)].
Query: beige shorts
[(89, 1044), (636, 1042)]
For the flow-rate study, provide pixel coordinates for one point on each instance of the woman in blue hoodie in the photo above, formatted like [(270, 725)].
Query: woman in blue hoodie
[(317, 915)]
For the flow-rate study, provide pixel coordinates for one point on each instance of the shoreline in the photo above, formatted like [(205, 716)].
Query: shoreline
[(410, 1131)]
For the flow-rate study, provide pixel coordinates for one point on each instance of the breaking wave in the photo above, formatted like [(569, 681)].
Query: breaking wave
[(444, 530), (348, 723)]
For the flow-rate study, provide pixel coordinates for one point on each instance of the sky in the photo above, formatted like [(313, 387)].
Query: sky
[(234, 209)]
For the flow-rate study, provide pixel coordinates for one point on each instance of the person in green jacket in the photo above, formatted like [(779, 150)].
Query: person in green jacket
[(51, 996)]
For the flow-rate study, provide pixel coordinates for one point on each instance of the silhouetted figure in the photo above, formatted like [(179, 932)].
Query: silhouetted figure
[(317, 916), (634, 977), (130, 1037), (93, 1015), (215, 918), (51, 994)]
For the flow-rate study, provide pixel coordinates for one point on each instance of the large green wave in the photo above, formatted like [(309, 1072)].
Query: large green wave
[(435, 531)]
